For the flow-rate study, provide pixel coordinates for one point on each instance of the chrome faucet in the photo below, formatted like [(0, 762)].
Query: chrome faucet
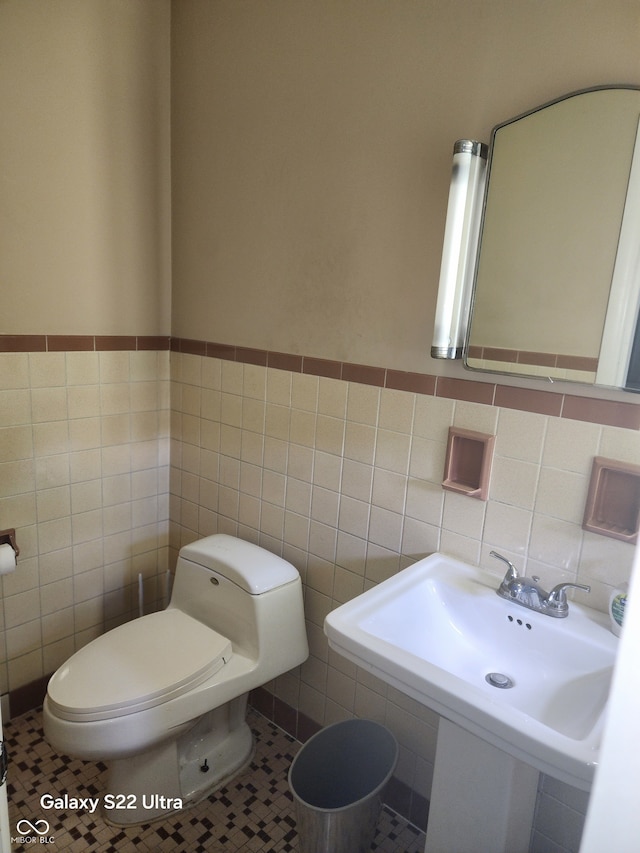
[(528, 593)]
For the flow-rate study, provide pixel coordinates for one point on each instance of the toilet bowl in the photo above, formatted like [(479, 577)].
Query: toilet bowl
[(162, 699)]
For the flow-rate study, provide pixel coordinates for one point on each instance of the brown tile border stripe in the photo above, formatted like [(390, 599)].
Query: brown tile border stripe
[(285, 361), (609, 412), (529, 400), (23, 343), (572, 406), (322, 367), (251, 356), (364, 374), (71, 343), (577, 362), (221, 351), (465, 389), (418, 383), (186, 345), (151, 342), (115, 342), (540, 359), (82, 343)]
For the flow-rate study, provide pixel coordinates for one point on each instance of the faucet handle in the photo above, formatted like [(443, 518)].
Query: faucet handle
[(512, 572), (557, 597)]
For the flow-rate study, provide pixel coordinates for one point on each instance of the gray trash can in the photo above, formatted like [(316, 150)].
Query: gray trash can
[(337, 781)]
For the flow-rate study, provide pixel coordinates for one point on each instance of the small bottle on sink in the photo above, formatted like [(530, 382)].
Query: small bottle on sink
[(617, 604)]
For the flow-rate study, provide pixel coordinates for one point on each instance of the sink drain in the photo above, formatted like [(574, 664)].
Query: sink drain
[(498, 679)]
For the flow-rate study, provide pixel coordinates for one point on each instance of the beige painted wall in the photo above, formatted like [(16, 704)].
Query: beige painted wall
[(84, 167), (312, 152)]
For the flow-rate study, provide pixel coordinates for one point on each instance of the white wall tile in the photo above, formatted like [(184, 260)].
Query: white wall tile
[(345, 478)]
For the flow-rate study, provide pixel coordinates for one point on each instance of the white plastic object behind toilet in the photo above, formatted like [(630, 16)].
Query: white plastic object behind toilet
[(163, 698)]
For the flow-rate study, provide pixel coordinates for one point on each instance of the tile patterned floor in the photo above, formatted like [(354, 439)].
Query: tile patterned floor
[(253, 813)]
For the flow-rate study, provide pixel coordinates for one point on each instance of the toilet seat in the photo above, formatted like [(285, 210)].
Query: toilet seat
[(138, 665)]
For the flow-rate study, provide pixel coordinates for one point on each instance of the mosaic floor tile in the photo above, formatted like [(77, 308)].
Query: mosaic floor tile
[(254, 812)]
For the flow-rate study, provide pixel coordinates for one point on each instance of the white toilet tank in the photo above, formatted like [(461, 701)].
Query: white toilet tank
[(247, 594)]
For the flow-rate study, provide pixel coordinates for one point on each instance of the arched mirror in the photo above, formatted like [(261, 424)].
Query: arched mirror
[(557, 282)]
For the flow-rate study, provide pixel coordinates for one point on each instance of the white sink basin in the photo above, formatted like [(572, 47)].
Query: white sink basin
[(437, 629)]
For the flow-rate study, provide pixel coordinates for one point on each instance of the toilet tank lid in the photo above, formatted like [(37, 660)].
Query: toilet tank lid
[(251, 567)]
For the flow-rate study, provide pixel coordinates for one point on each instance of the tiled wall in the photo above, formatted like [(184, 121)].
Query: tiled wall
[(343, 479), (338, 468), (84, 461)]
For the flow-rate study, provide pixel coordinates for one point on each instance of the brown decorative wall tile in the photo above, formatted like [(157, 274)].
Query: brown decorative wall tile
[(251, 356), (113, 343), (541, 359), (576, 362), (464, 389), (193, 347), (154, 342), (224, 351), (528, 400), (285, 361), (494, 354), (322, 367), (22, 699), (84, 343), (23, 343), (610, 412), (418, 383), (70, 343), (364, 374)]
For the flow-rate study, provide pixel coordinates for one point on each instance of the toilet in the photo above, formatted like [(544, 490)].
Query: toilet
[(162, 699)]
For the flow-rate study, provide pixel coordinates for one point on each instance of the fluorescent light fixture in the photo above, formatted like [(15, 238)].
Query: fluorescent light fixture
[(459, 250)]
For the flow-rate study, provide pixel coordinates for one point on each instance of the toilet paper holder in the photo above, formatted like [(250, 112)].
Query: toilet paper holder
[(8, 537)]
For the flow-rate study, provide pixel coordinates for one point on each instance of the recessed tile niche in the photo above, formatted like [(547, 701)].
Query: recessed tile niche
[(613, 501), (468, 462)]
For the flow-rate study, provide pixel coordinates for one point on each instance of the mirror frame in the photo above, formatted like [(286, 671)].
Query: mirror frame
[(632, 374)]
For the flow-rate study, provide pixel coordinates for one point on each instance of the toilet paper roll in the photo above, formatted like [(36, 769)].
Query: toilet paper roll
[(7, 559)]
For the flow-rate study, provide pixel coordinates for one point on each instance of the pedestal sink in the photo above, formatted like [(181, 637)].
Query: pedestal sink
[(521, 691)]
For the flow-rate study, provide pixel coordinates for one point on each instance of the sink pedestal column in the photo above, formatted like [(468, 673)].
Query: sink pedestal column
[(482, 799)]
